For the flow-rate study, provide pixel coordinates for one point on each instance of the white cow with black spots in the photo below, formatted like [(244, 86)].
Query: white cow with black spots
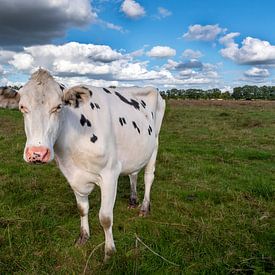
[(95, 134)]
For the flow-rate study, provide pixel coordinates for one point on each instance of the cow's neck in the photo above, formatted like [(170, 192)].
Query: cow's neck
[(68, 124)]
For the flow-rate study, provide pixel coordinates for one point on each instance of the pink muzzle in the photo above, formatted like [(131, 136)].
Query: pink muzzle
[(37, 154)]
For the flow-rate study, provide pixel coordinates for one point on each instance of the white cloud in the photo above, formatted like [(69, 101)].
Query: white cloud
[(132, 9), (252, 51), (75, 60), (100, 65), (137, 53), (203, 33), (228, 39), (22, 61), (161, 52), (188, 53), (5, 56), (191, 73), (162, 13), (257, 72), (113, 26), (73, 51)]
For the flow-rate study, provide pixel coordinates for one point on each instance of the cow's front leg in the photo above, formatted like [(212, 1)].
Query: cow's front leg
[(108, 189), (83, 207)]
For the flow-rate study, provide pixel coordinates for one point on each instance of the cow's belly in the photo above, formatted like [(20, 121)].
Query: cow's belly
[(135, 155)]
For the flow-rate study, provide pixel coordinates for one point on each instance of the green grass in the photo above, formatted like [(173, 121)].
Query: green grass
[(212, 206)]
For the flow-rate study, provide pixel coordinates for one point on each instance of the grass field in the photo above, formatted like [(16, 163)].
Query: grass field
[(212, 206)]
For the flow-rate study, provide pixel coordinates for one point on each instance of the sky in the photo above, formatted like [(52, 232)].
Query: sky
[(167, 44)]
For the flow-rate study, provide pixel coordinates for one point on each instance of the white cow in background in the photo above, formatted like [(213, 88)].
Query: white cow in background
[(8, 98), (95, 134)]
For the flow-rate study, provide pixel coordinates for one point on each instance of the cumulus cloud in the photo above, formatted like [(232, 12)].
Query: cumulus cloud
[(191, 73), (253, 51), (132, 9), (188, 53), (22, 61), (75, 60), (191, 64), (101, 65), (161, 52), (228, 39), (72, 58), (5, 55), (31, 22), (162, 13), (256, 72), (203, 33)]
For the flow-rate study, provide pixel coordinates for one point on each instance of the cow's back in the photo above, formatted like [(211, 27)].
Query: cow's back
[(121, 124)]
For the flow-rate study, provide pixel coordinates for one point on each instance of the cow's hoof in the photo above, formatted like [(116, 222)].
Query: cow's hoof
[(144, 213), (132, 203), (144, 210), (83, 237), (108, 254)]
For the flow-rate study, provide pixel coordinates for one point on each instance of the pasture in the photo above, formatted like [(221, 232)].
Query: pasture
[(212, 208)]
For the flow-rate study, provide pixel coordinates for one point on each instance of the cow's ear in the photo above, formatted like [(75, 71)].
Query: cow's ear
[(76, 95)]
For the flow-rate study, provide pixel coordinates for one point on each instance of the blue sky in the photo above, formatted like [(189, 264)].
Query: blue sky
[(182, 44)]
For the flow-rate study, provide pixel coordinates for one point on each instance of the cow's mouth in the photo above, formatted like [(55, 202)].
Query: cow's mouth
[(37, 162)]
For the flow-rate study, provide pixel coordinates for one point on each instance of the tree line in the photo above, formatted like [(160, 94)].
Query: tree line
[(246, 92)]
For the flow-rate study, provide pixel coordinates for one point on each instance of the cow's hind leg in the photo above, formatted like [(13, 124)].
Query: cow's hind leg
[(133, 201), (83, 207), (149, 175), (108, 187)]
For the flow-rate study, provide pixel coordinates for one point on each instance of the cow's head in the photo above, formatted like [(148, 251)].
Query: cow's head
[(42, 102)]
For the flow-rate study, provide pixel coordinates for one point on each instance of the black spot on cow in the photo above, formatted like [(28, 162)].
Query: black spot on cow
[(136, 127), (106, 90), (94, 105), (122, 121), (152, 114), (93, 138), (76, 105), (84, 120), (90, 92), (150, 130), (133, 102), (143, 104)]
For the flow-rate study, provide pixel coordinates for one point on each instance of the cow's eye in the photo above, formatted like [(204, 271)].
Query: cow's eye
[(56, 109), (23, 109)]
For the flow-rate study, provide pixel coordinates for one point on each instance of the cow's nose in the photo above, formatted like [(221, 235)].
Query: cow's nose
[(37, 154)]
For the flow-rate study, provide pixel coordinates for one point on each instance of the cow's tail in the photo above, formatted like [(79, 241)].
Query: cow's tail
[(160, 110)]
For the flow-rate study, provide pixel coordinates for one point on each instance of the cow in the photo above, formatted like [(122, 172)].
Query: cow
[(9, 98), (95, 134)]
